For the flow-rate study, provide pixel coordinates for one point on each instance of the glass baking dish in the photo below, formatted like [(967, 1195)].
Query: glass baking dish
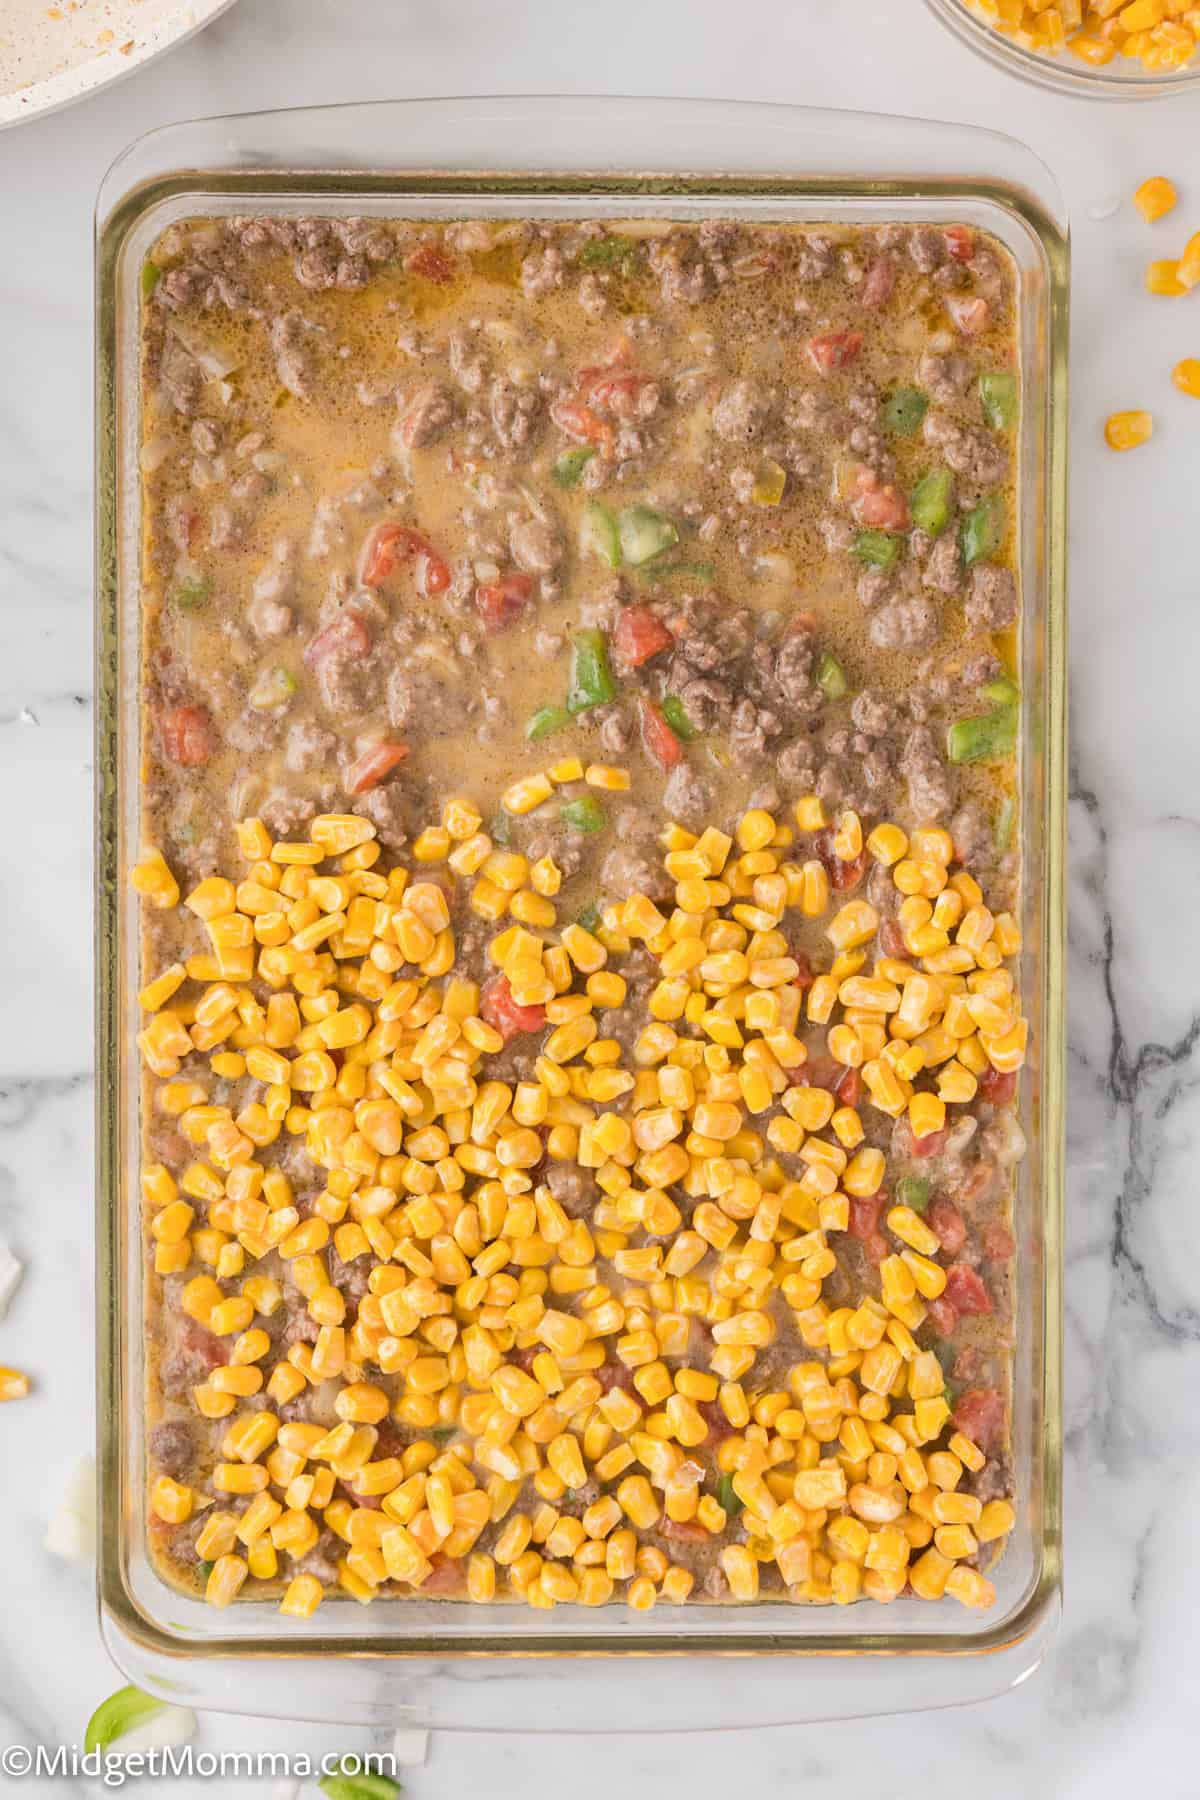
[(436, 1663)]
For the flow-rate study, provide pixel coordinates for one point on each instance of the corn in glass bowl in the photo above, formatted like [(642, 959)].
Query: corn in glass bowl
[(985, 26)]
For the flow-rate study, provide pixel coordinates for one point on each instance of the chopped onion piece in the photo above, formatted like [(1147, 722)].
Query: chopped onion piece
[(154, 452), (11, 1271), (410, 1748), (71, 1532)]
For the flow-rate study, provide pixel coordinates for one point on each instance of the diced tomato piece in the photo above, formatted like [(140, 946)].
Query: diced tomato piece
[(372, 1502), (876, 1248), (960, 242), (640, 634), (932, 1144), (661, 744), (369, 769), (834, 349), (430, 262), (880, 505), (881, 279), (688, 1531), (199, 1341), (970, 313), (979, 1415), (445, 1575), (946, 1222), (848, 1087), (719, 1427), (390, 543), (943, 1317), (965, 1290), (997, 1240), (581, 423), (843, 876), (346, 635), (864, 1216), (187, 735), (805, 976), (497, 1007), (891, 940), (999, 1086), (974, 1186), (619, 395), (615, 1374), (498, 603), (966, 1364)]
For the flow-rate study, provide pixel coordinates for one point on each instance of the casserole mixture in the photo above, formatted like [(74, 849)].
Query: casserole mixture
[(581, 1024)]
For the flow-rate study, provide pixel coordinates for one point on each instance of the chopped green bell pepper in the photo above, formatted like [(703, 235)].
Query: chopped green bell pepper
[(545, 722), (1006, 819), (878, 548), (1001, 692), (982, 531), (589, 918), (930, 503), (598, 535), (191, 593), (592, 681), (120, 1714), (151, 276), (353, 1781), (727, 1498), (657, 570), (585, 814), (983, 739), (903, 411), (831, 677), (644, 534), (568, 470), (674, 712), (998, 394), (913, 1191), (610, 252)]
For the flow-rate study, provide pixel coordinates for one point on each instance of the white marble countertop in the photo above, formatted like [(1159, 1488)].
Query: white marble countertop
[(1109, 1709)]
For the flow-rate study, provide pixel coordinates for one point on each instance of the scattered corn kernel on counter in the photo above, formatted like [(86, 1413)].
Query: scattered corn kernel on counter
[(581, 986)]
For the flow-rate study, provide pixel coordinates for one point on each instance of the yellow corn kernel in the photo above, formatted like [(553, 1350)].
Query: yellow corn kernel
[(926, 1114), (603, 775), (848, 838), (970, 1588), (810, 814), (887, 844), (814, 890), (1155, 197), (854, 924), (740, 1567), (1186, 376), (524, 795), (225, 1581), (302, 1598)]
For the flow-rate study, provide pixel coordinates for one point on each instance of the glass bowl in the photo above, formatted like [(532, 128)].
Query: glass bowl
[(1121, 79)]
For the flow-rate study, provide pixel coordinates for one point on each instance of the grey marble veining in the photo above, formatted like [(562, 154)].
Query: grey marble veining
[(1112, 1709)]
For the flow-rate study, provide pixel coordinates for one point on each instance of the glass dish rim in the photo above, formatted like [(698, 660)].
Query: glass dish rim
[(670, 183), (1073, 79)]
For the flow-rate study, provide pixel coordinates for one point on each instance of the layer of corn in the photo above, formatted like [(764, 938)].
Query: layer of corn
[(1159, 34), (533, 1353)]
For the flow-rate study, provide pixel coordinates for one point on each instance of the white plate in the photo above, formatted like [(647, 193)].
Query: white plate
[(56, 51)]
